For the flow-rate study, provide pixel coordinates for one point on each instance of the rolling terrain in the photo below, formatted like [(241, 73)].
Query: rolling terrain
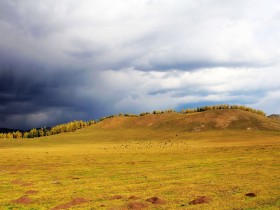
[(217, 159), (200, 121)]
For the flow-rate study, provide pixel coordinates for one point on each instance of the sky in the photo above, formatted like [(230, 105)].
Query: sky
[(70, 60)]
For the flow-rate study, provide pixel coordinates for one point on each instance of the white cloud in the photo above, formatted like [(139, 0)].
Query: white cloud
[(269, 103), (153, 35), (132, 89)]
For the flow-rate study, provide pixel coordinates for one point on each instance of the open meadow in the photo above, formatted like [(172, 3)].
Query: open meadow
[(142, 168)]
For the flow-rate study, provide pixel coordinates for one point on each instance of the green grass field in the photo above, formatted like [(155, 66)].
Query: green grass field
[(101, 168)]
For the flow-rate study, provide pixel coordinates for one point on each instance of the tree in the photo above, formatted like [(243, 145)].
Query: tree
[(9, 135), (25, 135), (41, 132), (33, 133), (17, 135)]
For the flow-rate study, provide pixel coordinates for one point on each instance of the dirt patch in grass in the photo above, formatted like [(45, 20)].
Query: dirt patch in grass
[(26, 184), (200, 200), (23, 200), (13, 172), (251, 194), (21, 183), (20, 167), (74, 202), (32, 192), (156, 200), (115, 197), (73, 177), (137, 205), (18, 182)]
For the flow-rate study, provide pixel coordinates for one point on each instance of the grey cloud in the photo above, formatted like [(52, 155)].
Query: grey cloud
[(86, 49), (34, 18), (83, 54), (204, 91), (194, 65), (25, 90)]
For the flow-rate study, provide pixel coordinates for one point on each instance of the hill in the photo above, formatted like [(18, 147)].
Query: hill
[(199, 121), (274, 116), (217, 117)]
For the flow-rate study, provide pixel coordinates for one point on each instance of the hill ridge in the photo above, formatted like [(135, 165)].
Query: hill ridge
[(258, 120), (197, 121)]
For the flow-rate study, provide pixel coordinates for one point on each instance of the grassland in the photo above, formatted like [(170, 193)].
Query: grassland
[(102, 166)]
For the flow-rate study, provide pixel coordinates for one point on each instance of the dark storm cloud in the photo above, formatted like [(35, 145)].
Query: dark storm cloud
[(27, 88)]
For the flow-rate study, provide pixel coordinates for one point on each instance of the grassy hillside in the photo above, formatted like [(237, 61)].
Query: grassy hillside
[(222, 117), (200, 121), (125, 162)]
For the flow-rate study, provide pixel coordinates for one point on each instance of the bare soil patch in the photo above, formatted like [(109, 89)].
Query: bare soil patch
[(18, 182), (73, 177), (21, 183), (200, 200), (23, 200), (116, 197), (27, 184), (32, 192), (156, 200), (251, 194), (13, 172)]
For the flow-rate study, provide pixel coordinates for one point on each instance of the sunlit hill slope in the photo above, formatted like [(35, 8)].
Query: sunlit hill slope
[(201, 121)]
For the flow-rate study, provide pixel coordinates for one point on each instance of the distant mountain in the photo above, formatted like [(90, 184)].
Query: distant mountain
[(274, 116)]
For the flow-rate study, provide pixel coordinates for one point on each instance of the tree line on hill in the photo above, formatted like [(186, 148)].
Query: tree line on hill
[(207, 108), (78, 124), (223, 106), (61, 128)]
